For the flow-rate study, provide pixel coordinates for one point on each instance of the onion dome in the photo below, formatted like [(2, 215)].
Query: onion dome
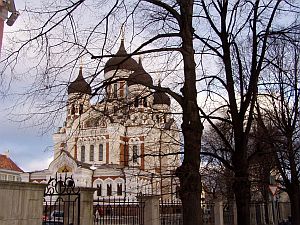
[(79, 85), (160, 97), (121, 60), (140, 76)]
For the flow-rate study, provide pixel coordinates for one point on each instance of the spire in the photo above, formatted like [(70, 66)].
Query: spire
[(81, 62), (122, 50), (80, 76), (122, 32), (159, 82)]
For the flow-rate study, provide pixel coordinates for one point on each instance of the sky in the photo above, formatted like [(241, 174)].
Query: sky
[(27, 147)]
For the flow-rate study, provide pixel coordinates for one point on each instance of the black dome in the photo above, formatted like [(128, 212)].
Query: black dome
[(121, 61), (161, 98), (140, 76), (79, 85)]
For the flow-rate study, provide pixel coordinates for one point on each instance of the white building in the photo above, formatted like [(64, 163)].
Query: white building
[(122, 145)]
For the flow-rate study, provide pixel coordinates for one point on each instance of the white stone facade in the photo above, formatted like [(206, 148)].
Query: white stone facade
[(123, 145)]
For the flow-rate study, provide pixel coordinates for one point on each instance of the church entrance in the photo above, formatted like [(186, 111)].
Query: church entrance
[(61, 203)]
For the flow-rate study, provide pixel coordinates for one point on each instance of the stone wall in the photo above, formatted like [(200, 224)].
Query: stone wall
[(21, 203)]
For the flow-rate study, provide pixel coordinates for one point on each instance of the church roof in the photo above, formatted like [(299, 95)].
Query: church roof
[(7, 164), (160, 97), (121, 60), (79, 85), (140, 76)]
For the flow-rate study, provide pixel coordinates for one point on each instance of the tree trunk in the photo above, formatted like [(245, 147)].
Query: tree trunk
[(188, 172), (241, 184), (294, 195), (189, 176), (241, 188)]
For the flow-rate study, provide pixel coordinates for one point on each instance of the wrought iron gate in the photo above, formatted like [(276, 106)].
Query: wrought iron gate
[(61, 201)]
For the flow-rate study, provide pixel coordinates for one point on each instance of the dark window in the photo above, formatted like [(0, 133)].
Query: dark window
[(157, 118), (109, 190), (136, 102), (83, 153), (99, 190), (115, 109), (92, 153), (119, 189), (134, 154), (177, 191), (101, 152), (72, 109), (80, 109), (145, 102), (115, 90)]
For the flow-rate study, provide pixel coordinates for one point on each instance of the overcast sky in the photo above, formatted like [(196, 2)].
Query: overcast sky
[(27, 147)]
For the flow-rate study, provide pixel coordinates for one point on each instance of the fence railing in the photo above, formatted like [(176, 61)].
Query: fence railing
[(119, 211), (122, 211), (171, 213)]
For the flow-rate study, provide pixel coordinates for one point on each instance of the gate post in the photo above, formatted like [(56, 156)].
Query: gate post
[(86, 206), (151, 213), (21, 203)]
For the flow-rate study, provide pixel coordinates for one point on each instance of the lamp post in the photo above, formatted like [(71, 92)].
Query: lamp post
[(93, 168)]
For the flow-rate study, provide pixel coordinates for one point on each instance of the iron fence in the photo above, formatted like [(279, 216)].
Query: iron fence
[(171, 213), (260, 213), (61, 204), (119, 211)]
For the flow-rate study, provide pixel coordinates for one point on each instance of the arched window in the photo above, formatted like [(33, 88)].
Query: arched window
[(135, 154), (115, 109), (165, 118), (101, 152), (82, 153), (119, 189), (72, 109), (115, 90), (145, 102), (80, 109), (109, 190), (99, 190), (136, 102), (92, 153), (157, 118)]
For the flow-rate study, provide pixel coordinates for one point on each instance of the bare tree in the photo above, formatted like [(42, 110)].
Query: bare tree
[(239, 36), (279, 117), (188, 34)]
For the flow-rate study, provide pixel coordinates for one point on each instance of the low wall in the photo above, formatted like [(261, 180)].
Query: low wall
[(21, 203)]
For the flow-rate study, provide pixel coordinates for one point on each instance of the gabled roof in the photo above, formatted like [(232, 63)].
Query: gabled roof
[(7, 164)]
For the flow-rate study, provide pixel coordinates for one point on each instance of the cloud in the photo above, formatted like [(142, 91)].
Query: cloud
[(27, 149)]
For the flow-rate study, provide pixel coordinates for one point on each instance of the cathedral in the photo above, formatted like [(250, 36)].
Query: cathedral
[(124, 144)]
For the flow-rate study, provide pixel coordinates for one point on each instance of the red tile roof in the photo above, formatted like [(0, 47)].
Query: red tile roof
[(7, 164)]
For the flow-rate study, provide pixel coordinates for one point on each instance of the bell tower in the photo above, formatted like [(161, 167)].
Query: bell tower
[(79, 94)]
